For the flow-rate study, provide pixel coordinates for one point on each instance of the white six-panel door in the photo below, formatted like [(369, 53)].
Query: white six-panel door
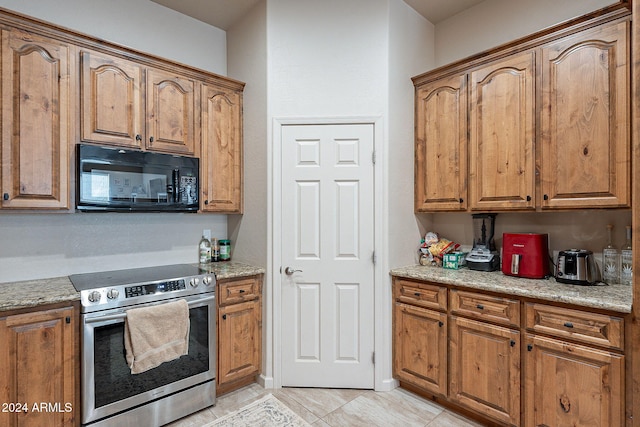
[(327, 233)]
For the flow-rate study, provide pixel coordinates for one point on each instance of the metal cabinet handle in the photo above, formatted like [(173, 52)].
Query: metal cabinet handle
[(568, 324), (289, 271), (150, 139), (224, 317), (480, 307), (5, 196), (138, 137)]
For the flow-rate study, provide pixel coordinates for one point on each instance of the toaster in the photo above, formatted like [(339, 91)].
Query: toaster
[(577, 267), (526, 255)]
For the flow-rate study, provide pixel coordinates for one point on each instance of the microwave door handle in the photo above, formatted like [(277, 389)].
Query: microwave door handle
[(176, 185)]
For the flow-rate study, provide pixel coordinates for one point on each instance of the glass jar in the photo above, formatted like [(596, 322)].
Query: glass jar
[(225, 250)]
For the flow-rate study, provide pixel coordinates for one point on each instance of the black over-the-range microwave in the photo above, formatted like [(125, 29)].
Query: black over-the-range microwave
[(114, 179)]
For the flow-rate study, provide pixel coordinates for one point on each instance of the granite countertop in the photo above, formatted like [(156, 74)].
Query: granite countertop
[(231, 270), (34, 293), (616, 298)]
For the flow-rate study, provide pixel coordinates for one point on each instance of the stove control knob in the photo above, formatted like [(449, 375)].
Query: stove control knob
[(207, 280), (112, 294), (94, 296), (194, 282)]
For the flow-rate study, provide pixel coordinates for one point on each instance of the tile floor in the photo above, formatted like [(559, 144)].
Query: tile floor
[(339, 407)]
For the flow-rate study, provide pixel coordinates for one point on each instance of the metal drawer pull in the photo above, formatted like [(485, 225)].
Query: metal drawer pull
[(440, 323), (480, 307), (224, 317), (417, 294), (568, 324), (529, 347), (513, 343), (242, 291)]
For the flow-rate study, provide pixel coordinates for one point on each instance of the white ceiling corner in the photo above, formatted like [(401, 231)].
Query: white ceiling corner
[(224, 13)]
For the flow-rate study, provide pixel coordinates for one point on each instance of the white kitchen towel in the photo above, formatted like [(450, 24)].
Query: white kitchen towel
[(156, 334)]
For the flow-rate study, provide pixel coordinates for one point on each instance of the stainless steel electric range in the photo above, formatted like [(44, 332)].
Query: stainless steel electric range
[(111, 394)]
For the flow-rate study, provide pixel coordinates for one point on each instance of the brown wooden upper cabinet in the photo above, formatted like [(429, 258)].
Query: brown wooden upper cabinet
[(116, 110), (441, 145), (222, 164), (545, 123), (585, 119), (502, 130), (38, 75)]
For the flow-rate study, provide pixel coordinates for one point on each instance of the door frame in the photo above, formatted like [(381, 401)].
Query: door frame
[(382, 316)]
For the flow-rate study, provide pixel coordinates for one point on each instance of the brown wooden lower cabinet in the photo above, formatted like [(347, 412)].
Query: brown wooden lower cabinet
[(239, 332), (508, 361), (572, 385), (485, 369), (421, 347), (39, 368)]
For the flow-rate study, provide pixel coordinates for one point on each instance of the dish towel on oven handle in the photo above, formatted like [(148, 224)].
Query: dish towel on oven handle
[(157, 334)]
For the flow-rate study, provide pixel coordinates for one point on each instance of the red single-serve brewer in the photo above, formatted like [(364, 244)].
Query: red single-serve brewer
[(526, 255)]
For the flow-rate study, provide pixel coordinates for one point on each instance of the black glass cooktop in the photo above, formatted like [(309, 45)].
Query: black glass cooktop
[(86, 281)]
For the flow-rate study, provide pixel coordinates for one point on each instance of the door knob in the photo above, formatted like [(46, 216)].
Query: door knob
[(289, 271)]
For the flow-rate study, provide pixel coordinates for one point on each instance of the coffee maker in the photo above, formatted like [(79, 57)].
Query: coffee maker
[(483, 256)]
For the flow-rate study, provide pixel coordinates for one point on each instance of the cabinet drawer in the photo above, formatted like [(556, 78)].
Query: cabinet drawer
[(590, 328), (484, 307), (237, 291), (421, 294)]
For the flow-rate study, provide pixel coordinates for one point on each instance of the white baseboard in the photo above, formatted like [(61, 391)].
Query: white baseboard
[(388, 385), (266, 382)]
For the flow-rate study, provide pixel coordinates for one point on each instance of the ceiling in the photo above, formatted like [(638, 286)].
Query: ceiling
[(224, 13)]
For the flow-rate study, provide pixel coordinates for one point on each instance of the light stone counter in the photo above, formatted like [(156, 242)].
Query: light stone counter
[(616, 298), (34, 293), (232, 270)]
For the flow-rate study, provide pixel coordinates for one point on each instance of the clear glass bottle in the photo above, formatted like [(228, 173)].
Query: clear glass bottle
[(610, 260), (626, 260), (204, 250)]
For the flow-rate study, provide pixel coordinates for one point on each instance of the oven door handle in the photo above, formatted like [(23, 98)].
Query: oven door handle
[(123, 314)]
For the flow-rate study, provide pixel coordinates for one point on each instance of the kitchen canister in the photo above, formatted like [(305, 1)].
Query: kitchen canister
[(225, 250)]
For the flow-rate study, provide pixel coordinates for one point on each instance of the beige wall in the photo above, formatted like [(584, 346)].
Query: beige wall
[(247, 60), (495, 22)]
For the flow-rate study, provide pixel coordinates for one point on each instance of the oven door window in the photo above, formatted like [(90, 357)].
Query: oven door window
[(113, 379)]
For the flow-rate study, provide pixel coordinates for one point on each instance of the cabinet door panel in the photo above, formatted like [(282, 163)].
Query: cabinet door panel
[(485, 369), (441, 145), (585, 119), (38, 364), (171, 113), (111, 101), (239, 337), (572, 385), (37, 93), (222, 161), (502, 130), (420, 348)]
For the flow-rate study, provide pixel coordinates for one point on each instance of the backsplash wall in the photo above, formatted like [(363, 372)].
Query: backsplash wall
[(36, 246), (583, 229)]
